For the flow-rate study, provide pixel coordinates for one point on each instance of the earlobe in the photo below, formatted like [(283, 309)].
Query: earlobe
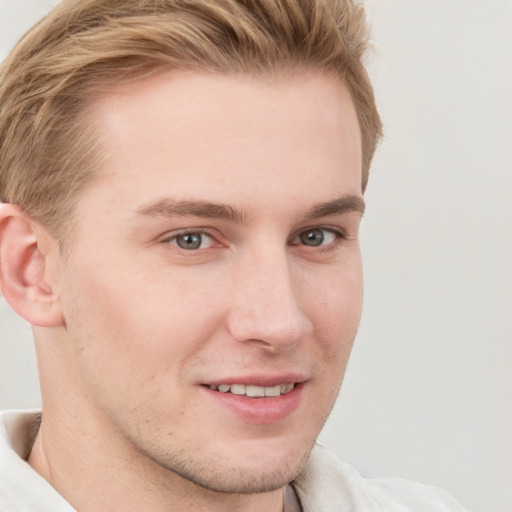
[(25, 280)]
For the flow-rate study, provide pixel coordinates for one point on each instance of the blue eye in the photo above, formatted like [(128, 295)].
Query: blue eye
[(317, 237), (314, 237), (192, 240)]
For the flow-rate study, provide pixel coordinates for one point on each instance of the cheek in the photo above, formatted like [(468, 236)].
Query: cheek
[(338, 303), (126, 330), (336, 324)]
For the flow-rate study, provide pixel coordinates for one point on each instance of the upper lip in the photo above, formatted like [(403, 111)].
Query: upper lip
[(259, 380)]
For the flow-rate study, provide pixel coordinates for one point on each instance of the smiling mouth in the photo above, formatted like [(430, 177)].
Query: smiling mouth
[(254, 391)]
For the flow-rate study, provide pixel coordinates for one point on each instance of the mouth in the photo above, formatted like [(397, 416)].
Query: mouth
[(254, 391), (258, 403)]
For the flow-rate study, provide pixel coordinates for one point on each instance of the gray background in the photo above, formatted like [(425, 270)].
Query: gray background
[(428, 392)]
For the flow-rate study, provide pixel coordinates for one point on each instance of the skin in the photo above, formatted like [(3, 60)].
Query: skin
[(140, 327)]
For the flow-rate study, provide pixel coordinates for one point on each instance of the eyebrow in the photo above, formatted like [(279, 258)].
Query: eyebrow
[(169, 208), (348, 203)]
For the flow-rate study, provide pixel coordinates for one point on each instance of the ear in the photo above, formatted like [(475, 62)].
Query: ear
[(27, 252)]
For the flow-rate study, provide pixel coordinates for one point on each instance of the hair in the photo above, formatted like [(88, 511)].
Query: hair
[(48, 151)]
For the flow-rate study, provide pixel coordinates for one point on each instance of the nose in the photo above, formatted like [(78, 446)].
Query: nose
[(266, 307)]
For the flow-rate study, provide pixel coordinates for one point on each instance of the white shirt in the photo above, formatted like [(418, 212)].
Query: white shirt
[(325, 485)]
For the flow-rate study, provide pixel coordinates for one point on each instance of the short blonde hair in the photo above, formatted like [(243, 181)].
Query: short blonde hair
[(47, 151)]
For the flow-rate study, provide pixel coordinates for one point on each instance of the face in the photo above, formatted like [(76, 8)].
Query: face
[(213, 289)]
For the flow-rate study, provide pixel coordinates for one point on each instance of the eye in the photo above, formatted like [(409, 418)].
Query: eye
[(316, 237), (191, 240)]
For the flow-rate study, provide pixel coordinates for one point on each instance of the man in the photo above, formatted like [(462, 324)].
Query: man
[(182, 186)]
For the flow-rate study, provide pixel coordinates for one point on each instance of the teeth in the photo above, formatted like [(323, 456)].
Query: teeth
[(286, 388), (275, 391), (254, 391), (238, 389)]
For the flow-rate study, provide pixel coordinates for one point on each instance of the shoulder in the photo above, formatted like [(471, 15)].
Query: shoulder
[(328, 484), (21, 488)]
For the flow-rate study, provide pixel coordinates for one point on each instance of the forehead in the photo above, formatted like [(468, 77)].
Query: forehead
[(164, 134)]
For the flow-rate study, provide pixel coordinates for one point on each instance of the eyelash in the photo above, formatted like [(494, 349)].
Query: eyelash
[(175, 236), (337, 233)]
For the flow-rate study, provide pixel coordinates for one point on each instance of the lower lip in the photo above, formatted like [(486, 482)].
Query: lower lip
[(261, 410)]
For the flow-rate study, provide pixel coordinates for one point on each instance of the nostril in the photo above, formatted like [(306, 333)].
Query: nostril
[(260, 343)]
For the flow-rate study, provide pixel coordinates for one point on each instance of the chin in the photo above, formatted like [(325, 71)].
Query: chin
[(245, 479), (251, 471)]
